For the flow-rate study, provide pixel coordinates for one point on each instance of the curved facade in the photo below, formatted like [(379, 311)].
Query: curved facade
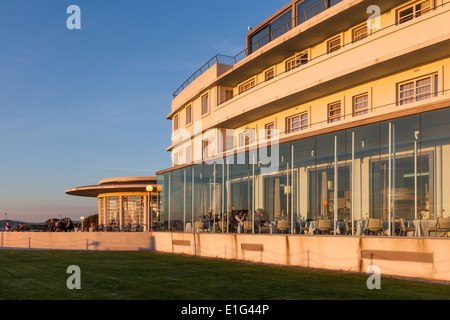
[(336, 111), (123, 203)]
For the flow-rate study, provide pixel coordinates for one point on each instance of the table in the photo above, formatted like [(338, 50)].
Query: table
[(314, 224), (422, 226)]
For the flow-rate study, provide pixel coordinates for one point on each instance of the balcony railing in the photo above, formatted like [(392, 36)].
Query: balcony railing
[(232, 60)]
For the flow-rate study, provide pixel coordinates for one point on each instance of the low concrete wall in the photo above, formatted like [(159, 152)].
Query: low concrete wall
[(422, 258)]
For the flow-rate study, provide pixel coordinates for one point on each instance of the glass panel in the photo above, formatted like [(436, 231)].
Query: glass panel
[(281, 25), (113, 212), (239, 189), (260, 39), (433, 181), (304, 179), (133, 212)]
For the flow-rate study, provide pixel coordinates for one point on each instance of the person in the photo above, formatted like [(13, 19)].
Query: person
[(69, 225), (92, 227), (240, 217), (51, 225), (21, 228), (77, 228), (8, 227)]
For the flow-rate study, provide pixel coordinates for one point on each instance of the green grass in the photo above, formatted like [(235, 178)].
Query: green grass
[(41, 275)]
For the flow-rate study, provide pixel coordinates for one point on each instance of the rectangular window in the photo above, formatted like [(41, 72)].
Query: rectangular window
[(360, 104), (415, 10), (188, 115), (416, 90), (228, 95), (175, 159), (175, 123), (297, 123), (359, 33), (270, 127), (246, 86), (205, 104), (334, 44), (290, 64), (188, 154), (205, 148), (246, 138), (297, 61), (269, 74), (334, 111)]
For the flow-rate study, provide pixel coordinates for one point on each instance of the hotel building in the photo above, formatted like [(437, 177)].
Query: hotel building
[(337, 110)]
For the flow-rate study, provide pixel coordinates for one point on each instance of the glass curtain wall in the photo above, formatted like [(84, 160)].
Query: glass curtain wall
[(388, 170)]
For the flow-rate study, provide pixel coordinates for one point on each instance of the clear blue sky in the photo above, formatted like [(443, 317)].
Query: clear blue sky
[(78, 106)]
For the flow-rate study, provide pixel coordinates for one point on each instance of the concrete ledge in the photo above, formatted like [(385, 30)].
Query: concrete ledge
[(421, 258)]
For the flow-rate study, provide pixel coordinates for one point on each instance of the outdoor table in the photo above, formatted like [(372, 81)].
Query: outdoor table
[(422, 226)]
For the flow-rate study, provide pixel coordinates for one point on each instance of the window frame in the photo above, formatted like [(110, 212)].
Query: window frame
[(269, 131), (415, 13), (357, 28), (334, 48), (205, 104), (271, 70), (176, 122), (188, 115), (417, 96), (359, 112), (301, 126), (247, 85), (334, 117)]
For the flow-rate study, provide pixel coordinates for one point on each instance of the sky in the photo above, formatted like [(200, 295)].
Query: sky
[(81, 105)]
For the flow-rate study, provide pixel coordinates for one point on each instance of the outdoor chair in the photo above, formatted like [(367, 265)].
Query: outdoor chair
[(200, 227), (404, 229), (324, 226), (248, 226), (304, 229), (283, 225), (442, 225), (375, 226), (349, 227)]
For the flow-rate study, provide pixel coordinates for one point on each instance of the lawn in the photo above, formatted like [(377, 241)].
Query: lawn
[(42, 275)]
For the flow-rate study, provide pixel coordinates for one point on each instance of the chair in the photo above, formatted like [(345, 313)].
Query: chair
[(200, 227), (404, 229), (349, 228), (303, 229), (266, 227), (324, 226), (442, 225), (248, 226), (375, 226), (283, 225)]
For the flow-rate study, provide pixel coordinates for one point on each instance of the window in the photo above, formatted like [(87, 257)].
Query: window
[(228, 94), (175, 159), (297, 61), (246, 138), (188, 154), (334, 111), (360, 104), (205, 104), (270, 127), (247, 86), (175, 123), (269, 74), (334, 44), (297, 123), (416, 90), (188, 115), (359, 33), (413, 11), (205, 148)]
